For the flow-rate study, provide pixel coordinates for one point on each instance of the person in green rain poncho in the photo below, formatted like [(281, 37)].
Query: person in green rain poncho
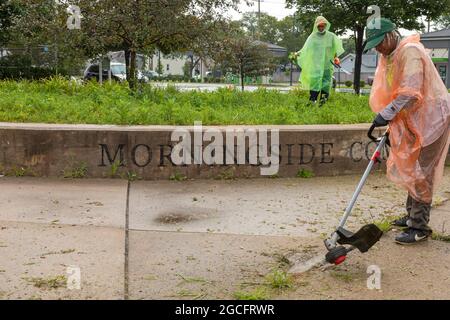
[(316, 58)]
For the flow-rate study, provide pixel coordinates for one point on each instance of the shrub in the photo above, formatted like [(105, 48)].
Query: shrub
[(348, 84), (58, 100)]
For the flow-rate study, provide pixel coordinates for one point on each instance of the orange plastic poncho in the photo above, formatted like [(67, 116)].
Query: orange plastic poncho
[(409, 71)]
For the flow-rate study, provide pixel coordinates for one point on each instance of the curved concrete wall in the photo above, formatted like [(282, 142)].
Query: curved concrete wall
[(145, 151)]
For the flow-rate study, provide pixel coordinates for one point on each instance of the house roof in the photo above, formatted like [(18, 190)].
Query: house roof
[(273, 48), (368, 60), (438, 35)]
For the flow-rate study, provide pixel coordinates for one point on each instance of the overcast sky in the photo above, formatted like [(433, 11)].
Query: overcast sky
[(276, 8)]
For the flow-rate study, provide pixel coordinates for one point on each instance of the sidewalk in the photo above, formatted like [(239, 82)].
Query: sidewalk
[(204, 239)]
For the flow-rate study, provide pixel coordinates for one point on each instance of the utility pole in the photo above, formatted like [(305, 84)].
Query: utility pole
[(259, 19), (292, 64), (259, 12)]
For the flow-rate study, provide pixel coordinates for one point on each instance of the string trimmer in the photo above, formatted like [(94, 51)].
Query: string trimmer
[(342, 241)]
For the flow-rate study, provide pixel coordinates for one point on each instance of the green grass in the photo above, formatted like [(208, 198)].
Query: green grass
[(48, 283), (440, 237), (305, 174), (279, 279), (177, 176), (257, 294), (384, 225), (61, 101), (75, 171)]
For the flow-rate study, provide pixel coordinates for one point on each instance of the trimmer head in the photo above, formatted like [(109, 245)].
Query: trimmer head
[(363, 240)]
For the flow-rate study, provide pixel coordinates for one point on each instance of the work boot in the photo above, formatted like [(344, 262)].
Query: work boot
[(401, 222), (412, 236)]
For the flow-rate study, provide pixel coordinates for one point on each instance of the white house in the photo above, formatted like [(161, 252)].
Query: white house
[(174, 64), (368, 67)]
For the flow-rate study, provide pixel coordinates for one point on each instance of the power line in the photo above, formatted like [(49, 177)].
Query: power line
[(271, 1)]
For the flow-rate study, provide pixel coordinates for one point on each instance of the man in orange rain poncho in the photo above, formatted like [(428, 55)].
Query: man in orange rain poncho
[(316, 58), (409, 95)]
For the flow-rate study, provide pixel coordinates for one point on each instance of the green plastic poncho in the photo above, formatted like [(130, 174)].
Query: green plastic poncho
[(316, 58)]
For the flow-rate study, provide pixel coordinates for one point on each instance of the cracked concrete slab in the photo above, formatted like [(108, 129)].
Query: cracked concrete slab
[(35, 257), (64, 201)]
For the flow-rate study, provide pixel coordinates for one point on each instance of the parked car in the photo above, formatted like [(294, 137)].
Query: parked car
[(92, 72), (119, 70), (150, 74), (118, 73)]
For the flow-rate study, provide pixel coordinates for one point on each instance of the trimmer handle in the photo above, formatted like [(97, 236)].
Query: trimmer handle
[(375, 139), (370, 133)]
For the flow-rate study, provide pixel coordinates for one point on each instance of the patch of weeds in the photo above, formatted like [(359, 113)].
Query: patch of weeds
[(75, 171), (279, 279), (342, 275), (130, 176), (227, 174), (438, 202), (384, 225), (56, 282), (274, 176), (440, 237), (20, 172), (114, 169), (305, 174), (257, 294), (177, 176)]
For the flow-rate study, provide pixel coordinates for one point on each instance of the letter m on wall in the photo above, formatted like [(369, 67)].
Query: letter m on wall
[(118, 156)]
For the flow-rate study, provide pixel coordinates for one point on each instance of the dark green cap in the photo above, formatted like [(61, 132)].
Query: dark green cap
[(374, 35)]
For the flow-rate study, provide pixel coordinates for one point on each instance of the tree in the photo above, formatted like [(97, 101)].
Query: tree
[(352, 15), (263, 27), (443, 22), (242, 55), (287, 33), (293, 35), (9, 11), (130, 26), (39, 31), (134, 26)]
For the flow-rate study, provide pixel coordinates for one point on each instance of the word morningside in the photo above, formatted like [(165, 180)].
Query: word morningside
[(261, 149)]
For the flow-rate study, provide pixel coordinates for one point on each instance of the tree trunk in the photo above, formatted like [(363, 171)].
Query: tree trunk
[(192, 68), (127, 63), (130, 67), (358, 59), (242, 78), (133, 79)]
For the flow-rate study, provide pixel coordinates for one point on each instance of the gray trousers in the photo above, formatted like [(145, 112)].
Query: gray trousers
[(419, 212)]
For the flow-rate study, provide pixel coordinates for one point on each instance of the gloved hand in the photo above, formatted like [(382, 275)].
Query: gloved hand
[(380, 121), (293, 56), (337, 61)]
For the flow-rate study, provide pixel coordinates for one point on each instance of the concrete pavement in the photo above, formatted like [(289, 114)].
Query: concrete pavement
[(206, 239)]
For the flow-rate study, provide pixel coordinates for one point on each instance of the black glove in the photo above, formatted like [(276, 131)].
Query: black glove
[(380, 121)]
